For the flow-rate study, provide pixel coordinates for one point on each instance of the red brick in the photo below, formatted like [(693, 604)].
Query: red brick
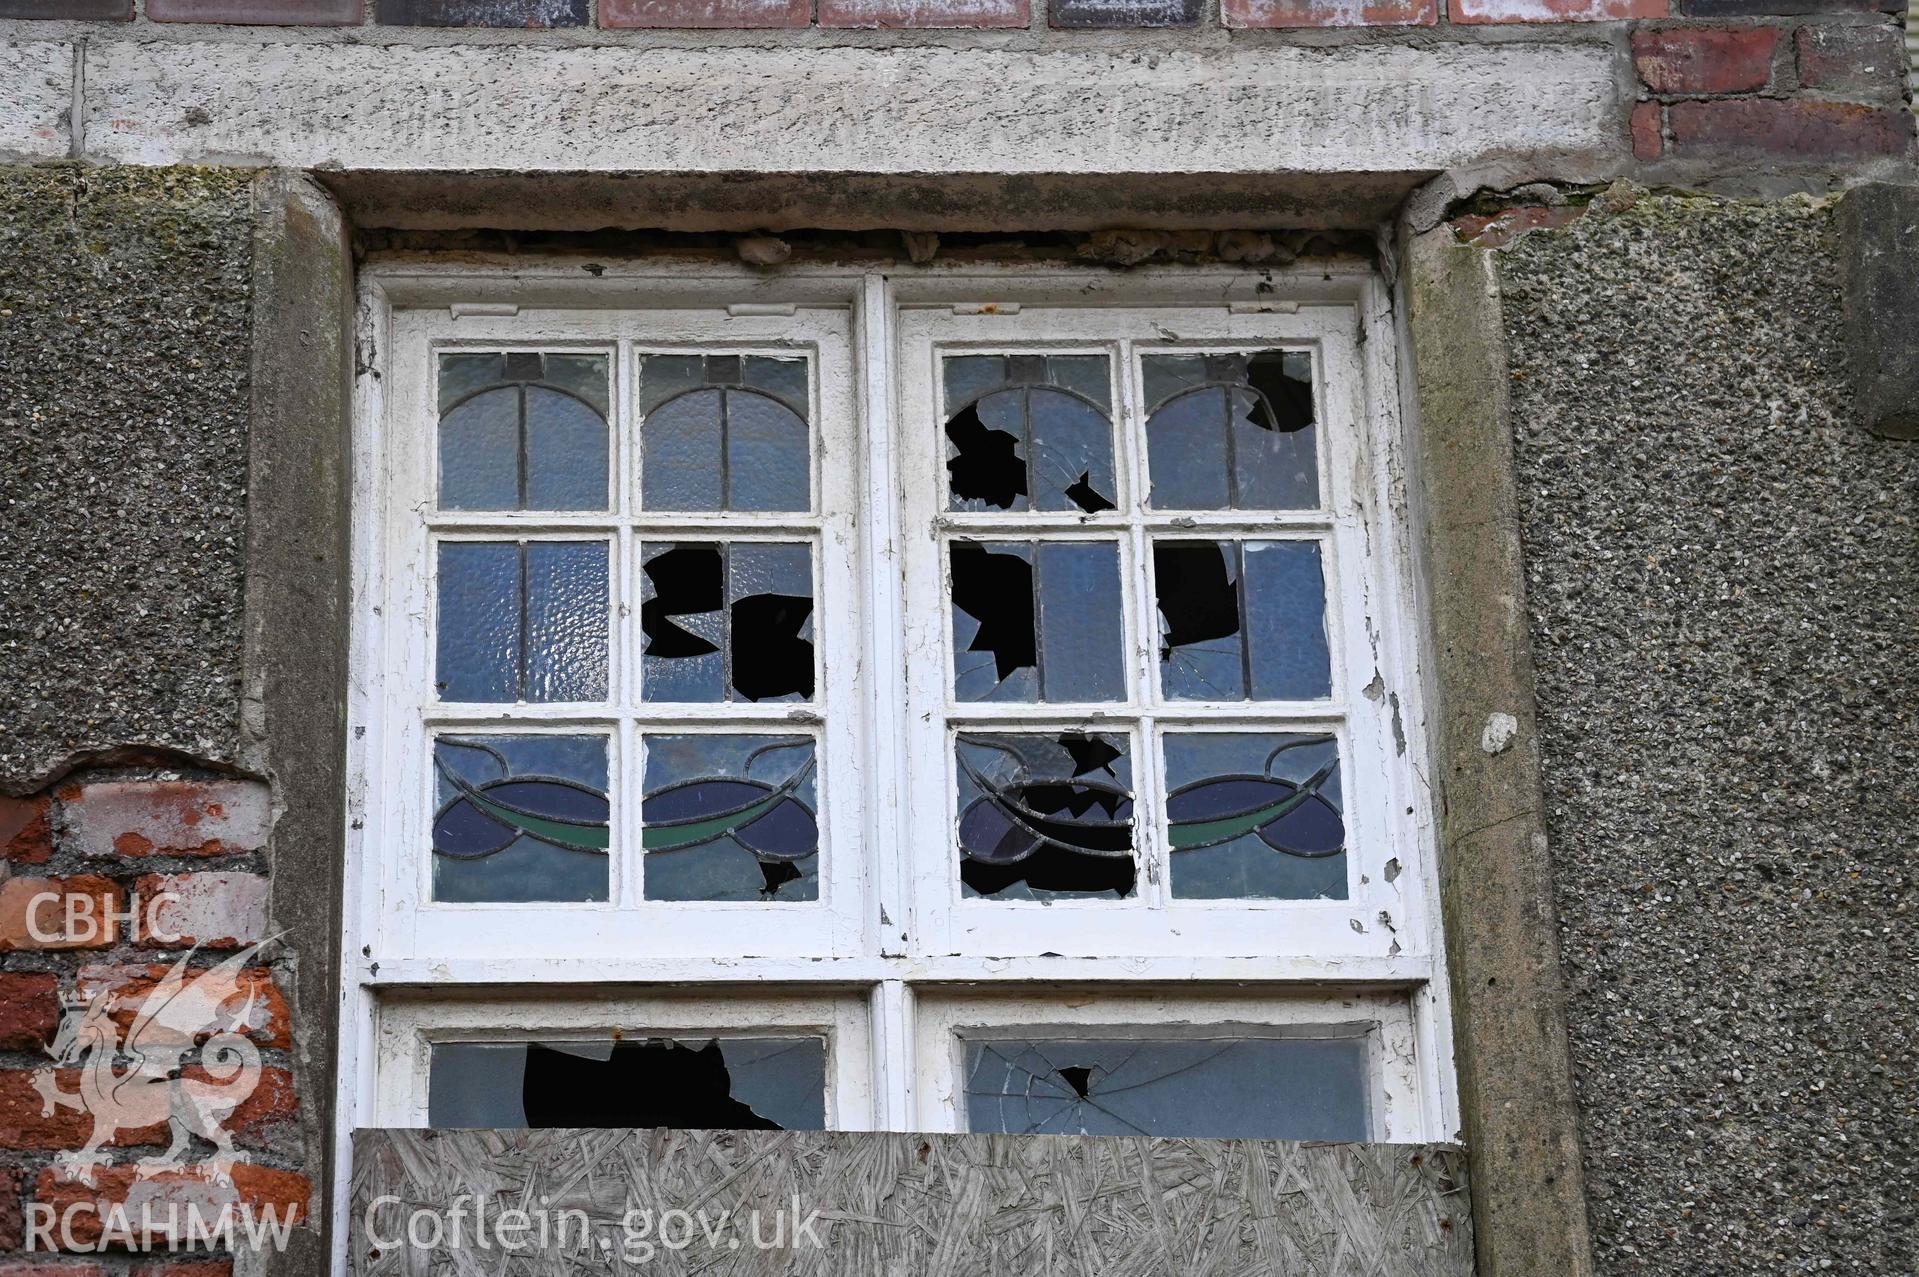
[(107, 10), (50, 1268), (24, 1123), (212, 910), (29, 1009), (1806, 129), (12, 1218), (263, 1188), (706, 13), (1496, 230), (1328, 13), (256, 1004), (924, 13), (167, 817), (26, 830), (316, 13), (1555, 10), (1857, 61), (1705, 59), (1648, 131), (45, 899), (185, 1268)]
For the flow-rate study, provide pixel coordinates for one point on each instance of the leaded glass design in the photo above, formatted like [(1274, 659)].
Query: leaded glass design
[(1029, 432), (730, 817), (1276, 1088), (1233, 431), (523, 430), (724, 432), (1037, 621), (1045, 816), (522, 621), (680, 1082), (520, 818), (1255, 816), (1241, 620), (727, 620)]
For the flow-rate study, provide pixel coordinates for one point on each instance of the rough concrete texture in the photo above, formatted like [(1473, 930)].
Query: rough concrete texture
[(1879, 238), (123, 416), (36, 99), (1721, 571)]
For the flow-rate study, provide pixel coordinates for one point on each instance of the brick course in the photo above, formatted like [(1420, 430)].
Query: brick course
[(258, 12), (1705, 59), (33, 913), (1857, 61), (212, 910), (1250, 14), (1801, 127), (482, 13), (166, 817), (705, 13)]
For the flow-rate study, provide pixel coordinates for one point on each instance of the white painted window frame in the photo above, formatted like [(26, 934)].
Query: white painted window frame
[(896, 971)]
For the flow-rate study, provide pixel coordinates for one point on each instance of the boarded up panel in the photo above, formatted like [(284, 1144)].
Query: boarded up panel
[(904, 1205)]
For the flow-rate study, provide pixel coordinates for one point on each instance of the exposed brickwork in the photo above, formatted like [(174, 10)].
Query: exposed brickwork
[(260, 1187), (1705, 59), (34, 913), (29, 1009), (185, 1268), (51, 1268), (538, 14), (1248, 14), (924, 13), (705, 13), (26, 830), (166, 818), (1496, 230), (261, 1010), (1648, 131), (12, 1218), (1779, 8), (1091, 14), (1767, 126), (1853, 61), (1555, 10), (258, 12), (86, 10), (212, 910)]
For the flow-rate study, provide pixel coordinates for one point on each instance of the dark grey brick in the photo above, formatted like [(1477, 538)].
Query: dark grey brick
[(1123, 13), (482, 13)]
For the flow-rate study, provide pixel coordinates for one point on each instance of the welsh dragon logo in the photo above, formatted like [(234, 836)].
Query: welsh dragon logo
[(188, 1022)]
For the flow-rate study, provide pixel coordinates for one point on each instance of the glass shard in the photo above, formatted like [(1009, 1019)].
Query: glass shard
[(520, 818), (1255, 816), (727, 621), (1029, 431), (1045, 817), (1037, 621), (1239, 620), (523, 431), (1232, 431), (995, 643), (724, 432), (522, 621), (1287, 654), (1189, 1087), (730, 817), (719, 1083), (1201, 652)]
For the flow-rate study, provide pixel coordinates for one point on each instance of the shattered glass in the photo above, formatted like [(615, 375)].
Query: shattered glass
[(520, 818), (1255, 816), (730, 817), (1232, 431), (1045, 816), (724, 432), (728, 620), (1189, 1087), (1029, 432), (522, 621), (1241, 620), (682, 1083), (523, 431), (1037, 621)]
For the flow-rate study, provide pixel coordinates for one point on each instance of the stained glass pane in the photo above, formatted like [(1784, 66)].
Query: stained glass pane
[(520, 818), (727, 615), (1255, 816), (730, 817), (1045, 816), (1029, 432), (1279, 1088), (1232, 431), (523, 431), (724, 432), (686, 1083), (523, 621)]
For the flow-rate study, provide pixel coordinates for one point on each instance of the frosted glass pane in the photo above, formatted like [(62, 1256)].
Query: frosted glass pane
[(566, 457), (766, 445), (566, 623), (1081, 636), (680, 454), (1286, 621), (478, 622), (480, 452)]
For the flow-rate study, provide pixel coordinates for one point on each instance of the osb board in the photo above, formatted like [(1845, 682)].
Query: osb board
[(906, 1205)]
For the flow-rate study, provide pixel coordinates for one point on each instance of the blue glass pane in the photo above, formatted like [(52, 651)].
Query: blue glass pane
[(1186, 452), (1196, 590), (1286, 621), (1192, 1087), (766, 454), (523, 431), (1081, 645), (520, 818), (683, 622), (1255, 816), (1045, 816), (566, 458), (478, 622), (995, 635), (730, 817), (1072, 453), (1028, 431), (727, 615), (1232, 431), (661, 377), (680, 453), (480, 452), (783, 378), (566, 624)]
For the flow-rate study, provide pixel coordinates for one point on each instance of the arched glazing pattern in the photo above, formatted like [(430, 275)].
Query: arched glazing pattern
[(1029, 432), (1234, 431), (724, 432), (523, 430)]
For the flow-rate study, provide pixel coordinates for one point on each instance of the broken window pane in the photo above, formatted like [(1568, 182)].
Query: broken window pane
[(523, 431), (730, 817), (1045, 816), (724, 432), (684, 1083), (1240, 619), (1029, 432), (1278, 1088), (728, 620), (1231, 431), (522, 621), (1255, 816), (520, 818), (1037, 621)]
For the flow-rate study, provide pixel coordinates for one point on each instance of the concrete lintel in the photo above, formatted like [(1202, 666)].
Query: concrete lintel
[(1517, 1102), (294, 711), (1879, 247), (36, 100)]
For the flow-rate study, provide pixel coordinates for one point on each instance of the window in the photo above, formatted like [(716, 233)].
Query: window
[(985, 702)]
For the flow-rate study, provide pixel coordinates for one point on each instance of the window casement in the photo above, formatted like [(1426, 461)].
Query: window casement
[(986, 701)]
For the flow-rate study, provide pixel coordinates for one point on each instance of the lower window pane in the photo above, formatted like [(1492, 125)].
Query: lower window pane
[(1255, 816), (730, 817), (1045, 816), (1198, 1088), (690, 1083), (520, 818)]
